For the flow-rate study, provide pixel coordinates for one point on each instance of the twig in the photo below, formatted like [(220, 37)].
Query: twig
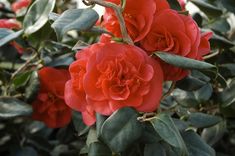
[(211, 55), (171, 89), (24, 66), (118, 10)]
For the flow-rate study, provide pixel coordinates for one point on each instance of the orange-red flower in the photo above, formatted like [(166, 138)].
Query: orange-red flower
[(138, 16), (177, 34), (106, 77), (20, 4), (49, 105)]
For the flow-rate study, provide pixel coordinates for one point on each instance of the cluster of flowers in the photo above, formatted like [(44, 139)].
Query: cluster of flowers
[(107, 75), (12, 23)]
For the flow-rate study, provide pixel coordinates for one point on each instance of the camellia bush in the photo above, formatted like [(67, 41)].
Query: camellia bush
[(147, 78)]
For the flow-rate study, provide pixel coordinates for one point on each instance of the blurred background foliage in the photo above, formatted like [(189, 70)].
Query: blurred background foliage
[(202, 104)]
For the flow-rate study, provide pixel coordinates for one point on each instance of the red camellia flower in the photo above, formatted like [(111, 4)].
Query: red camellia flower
[(49, 106), (106, 77), (10, 24), (20, 4), (177, 34), (138, 16)]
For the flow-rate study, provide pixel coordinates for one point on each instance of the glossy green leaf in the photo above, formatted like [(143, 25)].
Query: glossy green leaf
[(190, 83), (226, 98), (121, 129), (80, 127), (100, 119), (220, 25), (165, 127), (185, 98), (8, 35), (154, 150), (37, 15), (99, 149), (207, 8), (62, 60), (196, 146), (213, 134), (22, 79), (174, 4), (220, 42), (12, 107), (33, 87), (229, 5), (91, 137), (201, 120), (227, 70), (74, 19), (183, 62)]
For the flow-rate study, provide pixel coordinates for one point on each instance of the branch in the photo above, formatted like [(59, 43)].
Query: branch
[(171, 89), (118, 10), (21, 68)]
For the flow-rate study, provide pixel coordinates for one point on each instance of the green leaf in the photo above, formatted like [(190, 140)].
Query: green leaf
[(220, 25), (62, 60), (185, 98), (80, 127), (7, 35), (196, 146), (201, 120), (227, 70), (207, 8), (99, 149), (229, 5), (12, 107), (21, 79), (5, 32), (154, 150), (33, 87), (91, 137), (121, 129), (190, 83), (165, 127), (74, 19), (99, 123), (226, 98), (183, 62), (213, 134), (220, 42), (37, 15), (174, 4)]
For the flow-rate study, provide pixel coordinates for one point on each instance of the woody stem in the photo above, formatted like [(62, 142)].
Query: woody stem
[(118, 10)]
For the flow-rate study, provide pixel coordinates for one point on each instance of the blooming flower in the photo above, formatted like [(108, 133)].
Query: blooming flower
[(177, 34), (106, 77), (49, 105), (138, 16)]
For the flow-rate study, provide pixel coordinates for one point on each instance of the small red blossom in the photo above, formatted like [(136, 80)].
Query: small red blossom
[(106, 77), (49, 105), (20, 4), (10, 24)]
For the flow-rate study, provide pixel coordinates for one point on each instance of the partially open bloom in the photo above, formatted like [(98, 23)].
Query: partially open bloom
[(177, 34), (10, 24), (138, 16), (49, 105), (106, 77), (20, 4)]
